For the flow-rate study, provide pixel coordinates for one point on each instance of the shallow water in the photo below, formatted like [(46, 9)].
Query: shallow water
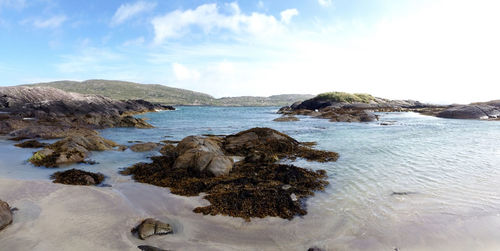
[(449, 168)]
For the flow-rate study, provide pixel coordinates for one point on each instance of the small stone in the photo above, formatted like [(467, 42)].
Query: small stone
[(5, 214), (286, 187), (293, 197), (150, 227)]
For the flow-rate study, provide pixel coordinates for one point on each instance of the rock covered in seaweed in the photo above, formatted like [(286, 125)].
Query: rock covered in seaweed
[(5, 214), (144, 147), (150, 227), (72, 149), (255, 187), (31, 144), (78, 177)]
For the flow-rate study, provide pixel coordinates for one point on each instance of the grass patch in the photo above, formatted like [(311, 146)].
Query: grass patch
[(346, 97)]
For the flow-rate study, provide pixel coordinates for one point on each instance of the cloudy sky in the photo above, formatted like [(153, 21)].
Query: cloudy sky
[(440, 51)]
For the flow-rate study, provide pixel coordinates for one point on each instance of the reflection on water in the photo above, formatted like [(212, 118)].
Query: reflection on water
[(418, 181)]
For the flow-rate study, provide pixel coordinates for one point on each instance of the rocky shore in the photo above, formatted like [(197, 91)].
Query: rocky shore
[(256, 186), (48, 113), (363, 110)]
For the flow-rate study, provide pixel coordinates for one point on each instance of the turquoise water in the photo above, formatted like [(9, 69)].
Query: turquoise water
[(450, 168)]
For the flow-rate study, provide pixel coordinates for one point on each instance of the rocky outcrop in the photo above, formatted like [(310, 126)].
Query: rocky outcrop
[(336, 111), (41, 110), (150, 227), (48, 113), (78, 177), (477, 111), (72, 149), (257, 186), (5, 215), (42, 101)]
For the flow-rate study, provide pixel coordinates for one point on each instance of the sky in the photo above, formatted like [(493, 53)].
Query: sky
[(440, 51)]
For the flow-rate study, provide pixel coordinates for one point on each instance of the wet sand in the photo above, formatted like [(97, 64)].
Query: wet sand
[(61, 217)]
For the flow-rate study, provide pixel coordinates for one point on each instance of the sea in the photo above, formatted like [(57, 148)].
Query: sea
[(407, 180)]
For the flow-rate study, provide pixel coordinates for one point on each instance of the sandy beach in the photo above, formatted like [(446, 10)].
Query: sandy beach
[(61, 217)]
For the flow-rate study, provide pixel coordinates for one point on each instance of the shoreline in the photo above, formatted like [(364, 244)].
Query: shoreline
[(60, 217)]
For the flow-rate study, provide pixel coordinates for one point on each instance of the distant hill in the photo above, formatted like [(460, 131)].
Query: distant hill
[(167, 95)]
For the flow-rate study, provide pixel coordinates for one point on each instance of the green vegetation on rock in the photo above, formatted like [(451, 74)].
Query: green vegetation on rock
[(122, 90), (346, 97)]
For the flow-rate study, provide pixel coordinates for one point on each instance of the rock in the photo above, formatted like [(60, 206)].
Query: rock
[(31, 144), (78, 177), (204, 144), (150, 248), (367, 116), (269, 145), (256, 186), (471, 112), (150, 227), (5, 215), (202, 156), (71, 149), (315, 249), (144, 147), (167, 149), (286, 119)]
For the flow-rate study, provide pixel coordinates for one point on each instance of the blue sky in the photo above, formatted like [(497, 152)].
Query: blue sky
[(441, 51)]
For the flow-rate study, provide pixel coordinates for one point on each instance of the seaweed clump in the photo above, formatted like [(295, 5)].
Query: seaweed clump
[(257, 186), (77, 177), (31, 144)]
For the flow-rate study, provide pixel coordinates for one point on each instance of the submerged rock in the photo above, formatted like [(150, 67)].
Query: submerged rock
[(78, 177), (150, 227), (286, 119), (5, 215), (150, 248), (144, 147), (257, 186)]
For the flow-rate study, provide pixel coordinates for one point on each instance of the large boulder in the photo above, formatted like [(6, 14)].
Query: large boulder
[(5, 214), (470, 112), (202, 156)]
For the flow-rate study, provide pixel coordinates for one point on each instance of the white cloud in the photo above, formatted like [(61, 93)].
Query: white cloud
[(52, 22), (325, 3), (129, 10), (286, 15), (182, 73), (207, 17)]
